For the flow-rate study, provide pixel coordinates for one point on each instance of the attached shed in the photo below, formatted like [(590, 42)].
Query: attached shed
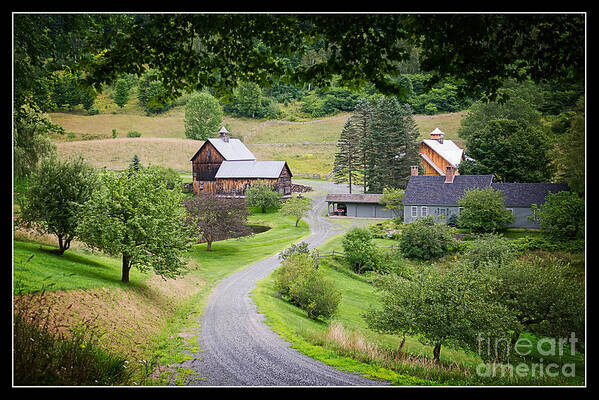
[(518, 198), (357, 205)]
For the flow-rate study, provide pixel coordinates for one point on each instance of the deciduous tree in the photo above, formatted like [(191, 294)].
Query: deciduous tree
[(483, 211), (214, 217), (260, 194), (452, 308), (203, 116), (296, 207), (134, 215), (56, 191)]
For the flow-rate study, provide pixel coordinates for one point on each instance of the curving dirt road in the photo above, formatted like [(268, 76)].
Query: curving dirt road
[(238, 349)]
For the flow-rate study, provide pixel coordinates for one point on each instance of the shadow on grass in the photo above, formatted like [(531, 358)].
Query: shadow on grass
[(36, 264)]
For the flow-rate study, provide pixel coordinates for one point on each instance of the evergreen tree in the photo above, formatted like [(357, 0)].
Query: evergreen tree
[(121, 92), (135, 164), (347, 165), (361, 119), (390, 146)]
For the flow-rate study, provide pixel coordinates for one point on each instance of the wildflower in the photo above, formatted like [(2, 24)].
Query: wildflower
[(82, 346)]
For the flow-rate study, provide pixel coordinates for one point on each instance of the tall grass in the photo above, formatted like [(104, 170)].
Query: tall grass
[(47, 354)]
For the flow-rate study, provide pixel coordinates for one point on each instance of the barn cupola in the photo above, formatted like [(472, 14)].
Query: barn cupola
[(224, 134), (437, 135)]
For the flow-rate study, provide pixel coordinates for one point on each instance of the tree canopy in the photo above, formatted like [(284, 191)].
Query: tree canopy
[(193, 51), (135, 215)]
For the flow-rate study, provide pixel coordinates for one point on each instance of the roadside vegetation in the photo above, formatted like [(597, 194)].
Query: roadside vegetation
[(364, 335)]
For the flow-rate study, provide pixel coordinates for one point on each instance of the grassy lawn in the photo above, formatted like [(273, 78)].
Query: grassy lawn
[(229, 255), (36, 266)]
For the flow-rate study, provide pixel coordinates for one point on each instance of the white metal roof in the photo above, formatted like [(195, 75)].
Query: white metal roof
[(233, 149), (448, 150), (250, 169)]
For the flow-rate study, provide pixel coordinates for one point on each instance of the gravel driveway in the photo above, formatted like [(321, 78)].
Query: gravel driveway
[(238, 349)]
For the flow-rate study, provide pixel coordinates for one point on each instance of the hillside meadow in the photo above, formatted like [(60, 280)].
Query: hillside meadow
[(308, 146)]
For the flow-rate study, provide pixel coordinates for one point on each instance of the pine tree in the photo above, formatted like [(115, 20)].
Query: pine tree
[(390, 146), (361, 119), (135, 164), (347, 163)]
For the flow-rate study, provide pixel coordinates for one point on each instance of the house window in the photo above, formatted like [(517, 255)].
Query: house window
[(442, 211), (424, 211), (414, 211), (460, 210), (511, 210)]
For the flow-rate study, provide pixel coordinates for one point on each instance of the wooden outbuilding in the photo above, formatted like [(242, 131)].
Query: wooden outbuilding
[(225, 166), (437, 153)]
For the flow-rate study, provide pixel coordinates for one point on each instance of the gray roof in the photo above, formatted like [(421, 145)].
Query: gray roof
[(234, 149), (353, 198), (433, 190), (250, 169), (526, 194)]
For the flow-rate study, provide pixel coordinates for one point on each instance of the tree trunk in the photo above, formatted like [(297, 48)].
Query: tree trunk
[(437, 353), (63, 245), (126, 268), (61, 248), (209, 245), (297, 222), (515, 337), (403, 341), (350, 171)]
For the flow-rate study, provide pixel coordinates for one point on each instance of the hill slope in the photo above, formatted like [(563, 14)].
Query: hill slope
[(308, 147)]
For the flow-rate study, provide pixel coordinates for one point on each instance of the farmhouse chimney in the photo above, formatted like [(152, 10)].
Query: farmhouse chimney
[(414, 170), (437, 135), (449, 174), (224, 134)]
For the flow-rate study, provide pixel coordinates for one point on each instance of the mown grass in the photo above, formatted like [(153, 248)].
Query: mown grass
[(230, 255), (37, 266)]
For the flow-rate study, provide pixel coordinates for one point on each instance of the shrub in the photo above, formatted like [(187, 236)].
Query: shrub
[(424, 239), (483, 211), (452, 220), (301, 248), (562, 215), (316, 295), (360, 253), (133, 134), (306, 287), (490, 248), (392, 262)]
